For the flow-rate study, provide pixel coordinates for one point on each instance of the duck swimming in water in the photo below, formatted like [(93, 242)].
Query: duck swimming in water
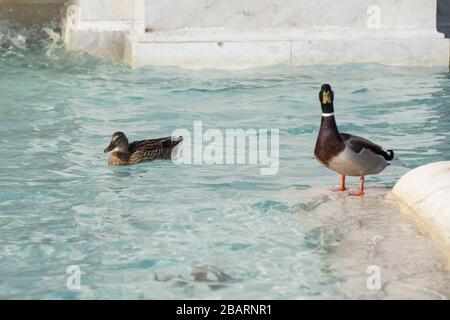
[(344, 153), (124, 153)]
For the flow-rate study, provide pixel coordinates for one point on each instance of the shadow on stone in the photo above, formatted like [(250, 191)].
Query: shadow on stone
[(443, 17)]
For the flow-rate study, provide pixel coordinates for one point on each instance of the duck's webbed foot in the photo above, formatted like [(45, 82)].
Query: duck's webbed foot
[(342, 187), (356, 193), (360, 192)]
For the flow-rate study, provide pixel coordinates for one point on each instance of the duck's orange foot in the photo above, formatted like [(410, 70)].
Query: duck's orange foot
[(340, 188), (360, 192)]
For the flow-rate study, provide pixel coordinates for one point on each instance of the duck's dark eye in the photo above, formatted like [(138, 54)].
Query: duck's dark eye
[(117, 135)]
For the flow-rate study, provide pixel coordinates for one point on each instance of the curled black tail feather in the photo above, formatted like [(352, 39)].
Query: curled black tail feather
[(176, 141), (171, 142), (388, 155)]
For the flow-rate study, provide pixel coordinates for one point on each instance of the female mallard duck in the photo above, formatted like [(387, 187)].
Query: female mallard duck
[(344, 153), (124, 153)]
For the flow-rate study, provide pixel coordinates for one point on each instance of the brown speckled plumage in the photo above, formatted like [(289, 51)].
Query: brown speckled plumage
[(140, 151)]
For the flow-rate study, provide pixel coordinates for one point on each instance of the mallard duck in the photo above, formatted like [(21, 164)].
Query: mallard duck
[(124, 153), (345, 153)]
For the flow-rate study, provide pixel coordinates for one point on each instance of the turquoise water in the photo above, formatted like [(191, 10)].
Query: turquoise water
[(160, 230)]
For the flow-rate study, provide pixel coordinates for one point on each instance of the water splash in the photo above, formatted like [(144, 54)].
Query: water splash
[(54, 43), (17, 40)]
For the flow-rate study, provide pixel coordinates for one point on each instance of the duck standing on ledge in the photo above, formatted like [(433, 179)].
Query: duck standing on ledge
[(124, 153), (344, 153)]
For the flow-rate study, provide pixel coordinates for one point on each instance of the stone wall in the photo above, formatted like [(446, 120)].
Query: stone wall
[(237, 34), (288, 14), (30, 12)]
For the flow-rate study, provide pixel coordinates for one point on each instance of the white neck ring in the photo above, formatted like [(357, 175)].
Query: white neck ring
[(327, 114)]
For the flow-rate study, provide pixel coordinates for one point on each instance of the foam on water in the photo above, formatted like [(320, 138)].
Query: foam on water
[(159, 230)]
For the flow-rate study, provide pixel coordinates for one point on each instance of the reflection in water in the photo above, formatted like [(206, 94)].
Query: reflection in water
[(214, 278)]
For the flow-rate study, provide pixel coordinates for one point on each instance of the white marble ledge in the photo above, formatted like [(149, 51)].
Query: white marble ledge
[(426, 191), (98, 10), (105, 25), (201, 55), (336, 34)]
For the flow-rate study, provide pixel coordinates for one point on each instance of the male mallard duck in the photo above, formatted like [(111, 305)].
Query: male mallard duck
[(344, 153), (124, 153)]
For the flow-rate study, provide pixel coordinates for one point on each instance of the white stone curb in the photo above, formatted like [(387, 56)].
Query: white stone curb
[(426, 190)]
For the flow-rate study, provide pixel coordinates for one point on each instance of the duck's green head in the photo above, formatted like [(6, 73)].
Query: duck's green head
[(119, 143), (326, 97)]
